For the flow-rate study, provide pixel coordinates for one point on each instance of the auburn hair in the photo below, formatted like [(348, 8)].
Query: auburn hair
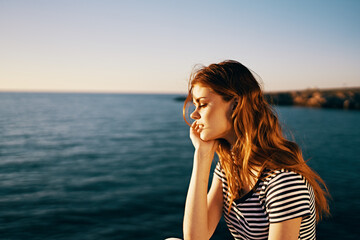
[(260, 142)]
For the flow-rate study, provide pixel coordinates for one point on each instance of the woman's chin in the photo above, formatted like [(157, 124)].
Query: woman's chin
[(202, 137), (205, 137)]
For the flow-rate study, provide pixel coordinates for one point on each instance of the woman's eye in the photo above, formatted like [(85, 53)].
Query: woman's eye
[(203, 105)]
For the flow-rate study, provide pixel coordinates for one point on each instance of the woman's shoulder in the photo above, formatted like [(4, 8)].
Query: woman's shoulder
[(284, 177), (286, 194)]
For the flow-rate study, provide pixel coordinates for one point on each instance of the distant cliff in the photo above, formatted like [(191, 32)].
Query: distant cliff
[(342, 98)]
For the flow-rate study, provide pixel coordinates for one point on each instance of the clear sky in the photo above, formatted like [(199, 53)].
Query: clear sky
[(152, 46)]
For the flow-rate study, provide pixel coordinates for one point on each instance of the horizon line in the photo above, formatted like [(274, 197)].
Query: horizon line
[(83, 91), (165, 93)]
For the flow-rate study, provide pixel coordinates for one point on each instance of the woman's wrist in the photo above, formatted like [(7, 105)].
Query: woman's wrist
[(203, 157), (204, 153)]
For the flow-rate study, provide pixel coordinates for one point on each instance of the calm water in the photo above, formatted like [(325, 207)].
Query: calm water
[(102, 166)]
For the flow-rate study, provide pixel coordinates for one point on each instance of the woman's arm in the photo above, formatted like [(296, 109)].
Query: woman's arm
[(287, 230), (196, 210), (202, 210)]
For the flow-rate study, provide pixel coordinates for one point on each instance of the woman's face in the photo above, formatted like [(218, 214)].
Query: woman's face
[(212, 114)]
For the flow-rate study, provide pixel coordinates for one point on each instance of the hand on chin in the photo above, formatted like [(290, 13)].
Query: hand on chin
[(200, 139)]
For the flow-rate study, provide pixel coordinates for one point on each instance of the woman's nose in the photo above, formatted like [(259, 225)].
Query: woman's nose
[(195, 115)]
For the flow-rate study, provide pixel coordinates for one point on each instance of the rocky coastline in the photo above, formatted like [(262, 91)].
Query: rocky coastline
[(340, 98)]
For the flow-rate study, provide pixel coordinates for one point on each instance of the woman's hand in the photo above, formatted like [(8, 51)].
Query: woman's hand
[(204, 147)]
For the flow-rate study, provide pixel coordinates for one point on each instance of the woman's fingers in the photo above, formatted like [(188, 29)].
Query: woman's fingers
[(197, 128), (193, 125)]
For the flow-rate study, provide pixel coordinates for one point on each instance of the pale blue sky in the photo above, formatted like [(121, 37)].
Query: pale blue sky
[(151, 46)]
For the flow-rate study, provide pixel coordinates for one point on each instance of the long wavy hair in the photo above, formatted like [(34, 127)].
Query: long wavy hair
[(260, 141)]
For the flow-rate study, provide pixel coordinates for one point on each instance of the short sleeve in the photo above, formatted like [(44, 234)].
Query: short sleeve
[(287, 197), (218, 171)]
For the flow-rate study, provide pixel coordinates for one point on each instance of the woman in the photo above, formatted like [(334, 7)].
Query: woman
[(261, 183)]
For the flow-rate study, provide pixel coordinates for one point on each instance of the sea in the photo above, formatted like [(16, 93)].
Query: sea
[(117, 166)]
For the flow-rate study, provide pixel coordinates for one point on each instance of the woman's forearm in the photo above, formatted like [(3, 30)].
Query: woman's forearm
[(196, 209)]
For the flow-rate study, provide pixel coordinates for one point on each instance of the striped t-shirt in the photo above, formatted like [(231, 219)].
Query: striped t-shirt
[(281, 195)]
